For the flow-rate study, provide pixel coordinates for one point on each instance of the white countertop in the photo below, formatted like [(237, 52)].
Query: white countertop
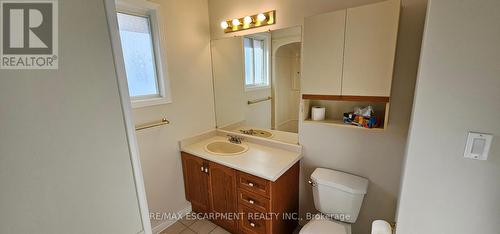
[(265, 159), (287, 137)]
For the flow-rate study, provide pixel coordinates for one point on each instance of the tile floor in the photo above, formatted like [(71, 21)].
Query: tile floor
[(200, 226)]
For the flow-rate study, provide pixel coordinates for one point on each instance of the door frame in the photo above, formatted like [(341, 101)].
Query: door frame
[(110, 10)]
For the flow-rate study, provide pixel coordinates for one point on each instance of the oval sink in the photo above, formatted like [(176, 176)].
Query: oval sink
[(257, 132), (225, 148)]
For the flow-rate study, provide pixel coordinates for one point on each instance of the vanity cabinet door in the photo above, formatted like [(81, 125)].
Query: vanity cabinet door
[(223, 196), (370, 46), (196, 182), (323, 50)]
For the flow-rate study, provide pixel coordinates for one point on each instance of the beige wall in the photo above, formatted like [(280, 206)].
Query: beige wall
[(442, 191), (186, 43), (372, 154), (64, 161)]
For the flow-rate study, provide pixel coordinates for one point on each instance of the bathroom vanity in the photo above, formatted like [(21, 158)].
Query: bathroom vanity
[(249, 192)]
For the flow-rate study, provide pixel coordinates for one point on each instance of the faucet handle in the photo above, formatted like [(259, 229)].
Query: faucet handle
[(235, 139)]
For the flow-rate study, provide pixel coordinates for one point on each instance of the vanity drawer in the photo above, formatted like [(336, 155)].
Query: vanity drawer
[(253, 200), (254, 184), (252, 222)]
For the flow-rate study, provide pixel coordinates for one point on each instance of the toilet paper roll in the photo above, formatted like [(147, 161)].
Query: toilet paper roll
[(318, 113), (381, 227)]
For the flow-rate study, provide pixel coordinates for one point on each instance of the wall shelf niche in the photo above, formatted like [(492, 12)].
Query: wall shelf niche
[(337, 105)]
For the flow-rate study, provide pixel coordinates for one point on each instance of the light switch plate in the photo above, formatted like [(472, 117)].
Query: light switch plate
[(478, 145)]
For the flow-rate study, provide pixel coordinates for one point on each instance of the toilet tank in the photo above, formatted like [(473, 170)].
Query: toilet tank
[(337, 194)]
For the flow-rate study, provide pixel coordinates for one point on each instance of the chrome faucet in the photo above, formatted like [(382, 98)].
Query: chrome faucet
[(235, 139), (248, 132)]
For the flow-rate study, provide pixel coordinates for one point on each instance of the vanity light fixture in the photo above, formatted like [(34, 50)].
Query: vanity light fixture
[(224, 25), (236, 22), (261, 17), (248, 22)]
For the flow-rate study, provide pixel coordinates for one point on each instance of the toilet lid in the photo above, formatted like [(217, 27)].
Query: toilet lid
[(319, 226)]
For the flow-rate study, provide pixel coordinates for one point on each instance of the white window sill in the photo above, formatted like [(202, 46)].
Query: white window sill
[(255, 88), (150, 102)]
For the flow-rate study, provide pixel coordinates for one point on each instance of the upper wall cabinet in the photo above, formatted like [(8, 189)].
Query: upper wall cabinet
[(351, 52), (370, 46), (323, 50)]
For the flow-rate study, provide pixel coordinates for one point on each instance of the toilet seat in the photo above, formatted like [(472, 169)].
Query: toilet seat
[(319, 226)]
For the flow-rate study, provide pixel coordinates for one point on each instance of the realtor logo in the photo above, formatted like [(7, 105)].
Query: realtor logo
[(29, 35)]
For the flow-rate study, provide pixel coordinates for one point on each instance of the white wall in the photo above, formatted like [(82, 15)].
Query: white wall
[(458, 80), (186, 43), (231, 97), (259, 114), (64, 160), (229, 80), (375, 155)]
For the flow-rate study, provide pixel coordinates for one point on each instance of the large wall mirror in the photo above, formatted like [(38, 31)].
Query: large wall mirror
[(257, 83)]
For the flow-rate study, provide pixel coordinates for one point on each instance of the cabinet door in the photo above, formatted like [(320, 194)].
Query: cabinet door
[(223, 196), (323, 49), (370, 45), (195, 182)]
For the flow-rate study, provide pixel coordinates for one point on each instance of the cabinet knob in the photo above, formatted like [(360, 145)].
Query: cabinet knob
[(250, 184), (202, 169), (252, 224), (251, 201), (206, 169)]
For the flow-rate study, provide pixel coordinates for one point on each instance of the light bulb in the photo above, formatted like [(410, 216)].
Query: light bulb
[(236, 22), (224, 25), (261, 17), (247, 20)]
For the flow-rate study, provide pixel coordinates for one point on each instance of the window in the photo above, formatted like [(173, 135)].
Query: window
[(256, 62), (138, 27)]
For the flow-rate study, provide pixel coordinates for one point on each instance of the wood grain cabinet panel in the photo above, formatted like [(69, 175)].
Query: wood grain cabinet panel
[(254, 184), (252, 222), (253, 200), (223, 196), (196, 182)]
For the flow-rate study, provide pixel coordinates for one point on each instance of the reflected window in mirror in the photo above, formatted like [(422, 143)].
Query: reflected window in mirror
[(256, 62)]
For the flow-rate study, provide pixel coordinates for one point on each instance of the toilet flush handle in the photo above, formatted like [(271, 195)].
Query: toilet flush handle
[(311, 183)]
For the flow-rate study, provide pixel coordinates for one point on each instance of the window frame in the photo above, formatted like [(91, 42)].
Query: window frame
[(151, 11), (266, 38)]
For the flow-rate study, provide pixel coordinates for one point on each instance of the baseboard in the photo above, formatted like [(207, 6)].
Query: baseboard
[(165, 224)]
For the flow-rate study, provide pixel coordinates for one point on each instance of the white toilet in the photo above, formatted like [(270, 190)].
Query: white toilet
[(338, 196)]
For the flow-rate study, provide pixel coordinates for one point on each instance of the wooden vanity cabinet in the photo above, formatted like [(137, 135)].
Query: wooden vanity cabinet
[(211, 188), (196, 182), (214, 188), (222, 193)]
